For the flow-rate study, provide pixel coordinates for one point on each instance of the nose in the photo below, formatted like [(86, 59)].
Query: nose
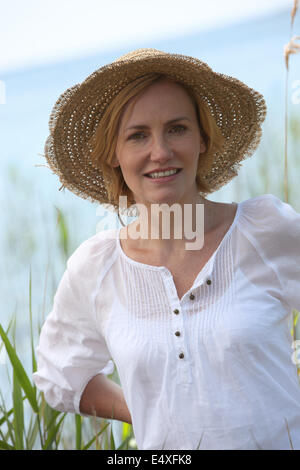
[(160, 150)]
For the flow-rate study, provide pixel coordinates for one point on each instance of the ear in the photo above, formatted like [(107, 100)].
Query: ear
[(203, 147), (115, 162)]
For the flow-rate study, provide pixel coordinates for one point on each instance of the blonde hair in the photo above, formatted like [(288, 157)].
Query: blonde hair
[(104, 141)]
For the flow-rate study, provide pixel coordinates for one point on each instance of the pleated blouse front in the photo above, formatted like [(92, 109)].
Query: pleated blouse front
[(213, 370)]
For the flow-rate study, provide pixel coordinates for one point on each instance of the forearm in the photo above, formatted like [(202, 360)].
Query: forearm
[(105, 398)]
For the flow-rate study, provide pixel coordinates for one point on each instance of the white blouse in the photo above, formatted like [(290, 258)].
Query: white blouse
[(212, 370)]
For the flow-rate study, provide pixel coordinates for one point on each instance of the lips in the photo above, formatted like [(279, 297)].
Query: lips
[(164, 179), (159, 171)]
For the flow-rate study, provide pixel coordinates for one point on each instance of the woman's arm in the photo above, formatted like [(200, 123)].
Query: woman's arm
[(105, 398)]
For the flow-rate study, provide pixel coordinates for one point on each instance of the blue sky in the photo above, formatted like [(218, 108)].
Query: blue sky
[(36, 32)]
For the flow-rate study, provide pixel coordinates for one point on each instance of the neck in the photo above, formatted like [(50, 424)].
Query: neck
[(163, 228)]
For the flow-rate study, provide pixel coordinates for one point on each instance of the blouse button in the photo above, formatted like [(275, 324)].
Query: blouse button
[(176, 310), (208, 281), (192, 296), (181, 355), (177, 333)]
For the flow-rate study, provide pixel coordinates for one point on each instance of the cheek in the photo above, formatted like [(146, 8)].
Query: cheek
[(189, 149), (133, 163), (131, 172)]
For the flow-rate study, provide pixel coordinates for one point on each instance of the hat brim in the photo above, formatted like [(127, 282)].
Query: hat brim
[(237, 109)]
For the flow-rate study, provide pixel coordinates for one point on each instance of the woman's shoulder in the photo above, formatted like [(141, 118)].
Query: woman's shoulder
[(266, 218), (261, 201), (273, 228), (268, 208), (94, 252)]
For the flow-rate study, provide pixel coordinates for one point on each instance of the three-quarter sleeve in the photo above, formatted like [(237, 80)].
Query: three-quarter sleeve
[(278, 234), (72, 349)]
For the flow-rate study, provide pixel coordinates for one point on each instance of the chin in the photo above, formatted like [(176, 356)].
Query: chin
[(166, 200)]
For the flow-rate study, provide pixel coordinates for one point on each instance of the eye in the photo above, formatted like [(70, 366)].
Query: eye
[(179, 128), (133, 136)]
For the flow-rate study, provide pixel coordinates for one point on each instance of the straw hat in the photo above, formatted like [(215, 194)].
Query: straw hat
[(238, 111)]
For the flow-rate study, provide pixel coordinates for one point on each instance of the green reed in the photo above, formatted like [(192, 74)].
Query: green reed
[(44, 427)]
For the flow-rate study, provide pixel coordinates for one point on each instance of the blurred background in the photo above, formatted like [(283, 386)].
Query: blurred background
[(49, 46)]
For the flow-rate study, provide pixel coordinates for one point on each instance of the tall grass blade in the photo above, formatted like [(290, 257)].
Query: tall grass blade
[(8, 413), (294, 11), (78, 427), (290, 48), (125, 442), (125, 430), (3, 420), (34, 364), (32, 432), (53, 434), (88, 445), (63, 232), (18, 422), (199, 444), (112, 440), (20, 372), (290, 439), (7, 331), (5, 446), (50, 417), (10, 430)]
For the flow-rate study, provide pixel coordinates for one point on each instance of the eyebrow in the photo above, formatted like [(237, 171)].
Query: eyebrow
[(144, 126)]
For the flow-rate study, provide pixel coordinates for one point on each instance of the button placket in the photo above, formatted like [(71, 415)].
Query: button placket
[(183, 365), (177, 324), (181, 354), (178, 332)]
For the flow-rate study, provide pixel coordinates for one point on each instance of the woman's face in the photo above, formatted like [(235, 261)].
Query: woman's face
[(160, 131)]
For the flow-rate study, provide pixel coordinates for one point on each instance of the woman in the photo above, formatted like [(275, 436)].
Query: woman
[(197, 326)]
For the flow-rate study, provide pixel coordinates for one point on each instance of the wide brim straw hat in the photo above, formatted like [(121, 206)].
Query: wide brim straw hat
[(238, 111)]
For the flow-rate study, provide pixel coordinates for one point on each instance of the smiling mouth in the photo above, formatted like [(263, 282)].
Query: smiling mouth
[(166, 176)]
